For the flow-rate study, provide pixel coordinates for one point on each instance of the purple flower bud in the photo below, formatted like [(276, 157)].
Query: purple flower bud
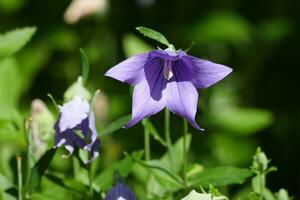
[(75, 127)]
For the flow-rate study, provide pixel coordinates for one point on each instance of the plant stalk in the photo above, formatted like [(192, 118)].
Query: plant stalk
[(147, 143), (28, 155), (185, 151), (168, 136), (20, 175)]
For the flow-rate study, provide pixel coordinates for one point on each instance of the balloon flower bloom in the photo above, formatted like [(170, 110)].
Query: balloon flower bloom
[(167, 78), (75, 127)]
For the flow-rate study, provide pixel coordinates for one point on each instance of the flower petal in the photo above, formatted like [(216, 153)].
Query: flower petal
[(206, 73), (73, 113), (148, 95), (129, 70), (182, 96), (120, 192)]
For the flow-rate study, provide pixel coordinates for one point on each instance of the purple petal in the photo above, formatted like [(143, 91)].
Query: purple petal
[(206, 73), (130, 70), (182, 96), (119, 192), (148, 95), (73, 113)]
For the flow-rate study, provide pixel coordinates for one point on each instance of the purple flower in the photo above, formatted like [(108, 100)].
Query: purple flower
[(164, 78), (75, 127), (119, 192)]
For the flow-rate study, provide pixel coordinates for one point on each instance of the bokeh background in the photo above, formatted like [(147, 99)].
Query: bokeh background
[(257, 105)]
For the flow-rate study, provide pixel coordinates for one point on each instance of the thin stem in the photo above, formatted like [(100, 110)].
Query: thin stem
[(90, 174), (185, 150), (76, 166), (147, 143), (20, 184), (29, 154), (168, 135)]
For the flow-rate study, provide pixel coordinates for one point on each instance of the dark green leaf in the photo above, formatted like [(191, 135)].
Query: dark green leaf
[(220, 176), (14, 40), (39, 169), (119, 123), (85, 66), (153, 35)]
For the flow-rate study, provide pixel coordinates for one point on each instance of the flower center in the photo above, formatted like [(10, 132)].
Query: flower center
[(167, 69)]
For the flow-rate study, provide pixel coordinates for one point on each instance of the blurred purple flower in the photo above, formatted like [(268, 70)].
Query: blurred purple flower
[(119, 192), (75, 127), (164, 78)]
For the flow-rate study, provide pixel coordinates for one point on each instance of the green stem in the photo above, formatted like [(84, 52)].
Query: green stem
[(168, 136), (90, 174), (147, 143), (261, 184), (20, 184), (185, 150), (28, 155)]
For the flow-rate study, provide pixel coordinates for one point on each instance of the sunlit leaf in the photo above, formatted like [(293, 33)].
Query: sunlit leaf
[(150, 33), (14, 40)]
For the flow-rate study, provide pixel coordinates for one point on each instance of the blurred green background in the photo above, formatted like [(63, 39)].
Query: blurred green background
[(257, 105)]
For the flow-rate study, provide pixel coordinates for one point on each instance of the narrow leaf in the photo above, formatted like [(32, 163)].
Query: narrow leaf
[(220, 176), (39, 169), (14, 40), (85, 66), (119, 123), (153, 35)]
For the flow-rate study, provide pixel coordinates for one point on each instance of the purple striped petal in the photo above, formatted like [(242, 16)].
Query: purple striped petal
[(130, 70), (206, 73), (182, 96), (148, 95)]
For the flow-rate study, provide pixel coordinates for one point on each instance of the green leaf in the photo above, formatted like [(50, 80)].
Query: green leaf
[(150, 33), (220, 176), (10, 87), (152, 130), (177, 155), (193, 195), (14, 40), (39, 169), (119, 123), (133, 45), (85, 66), (124, 167)]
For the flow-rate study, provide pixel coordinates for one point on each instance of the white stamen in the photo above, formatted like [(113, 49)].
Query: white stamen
[(121, 198), (167, 69)]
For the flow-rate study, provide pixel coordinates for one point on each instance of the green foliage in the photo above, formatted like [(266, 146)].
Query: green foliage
[(105, 179), (220, 176), (133, 45), (193, 195), (152, 130), (39, 169), (119, 123), (85, 66), (14, 40), (77, 89), (150, 33)]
